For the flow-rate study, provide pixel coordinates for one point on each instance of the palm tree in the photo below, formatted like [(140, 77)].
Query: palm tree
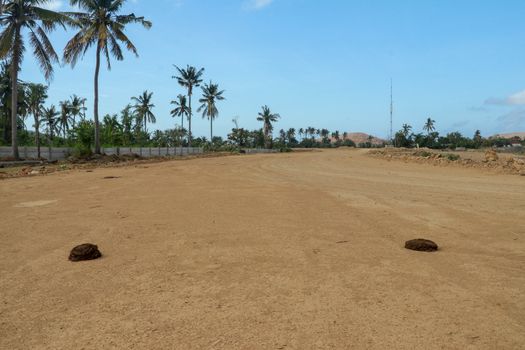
[(181, 109), (282, 135), (429, 126), (5, 98), (126, 121), (17, 16), (189, 78), (143, 109), (290, 135), (102, 25), (50, 119), (324, 133), (406, 130), (77, 108), (267, 117), (65, 116), (210, 94), (37, 95), (309, 131)]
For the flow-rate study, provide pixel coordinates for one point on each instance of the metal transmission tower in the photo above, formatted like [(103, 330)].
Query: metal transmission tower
[(391, 111)]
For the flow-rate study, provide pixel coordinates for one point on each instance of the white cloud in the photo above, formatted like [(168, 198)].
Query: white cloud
[(53, 5), (517, 99), (257, 4)]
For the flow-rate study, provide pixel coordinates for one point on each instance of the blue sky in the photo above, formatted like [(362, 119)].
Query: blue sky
[(322, 63)]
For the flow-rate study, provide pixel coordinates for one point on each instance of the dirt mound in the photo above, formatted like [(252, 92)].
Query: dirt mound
[(491, 156), (85, 252), (421, 245), (511, 164)]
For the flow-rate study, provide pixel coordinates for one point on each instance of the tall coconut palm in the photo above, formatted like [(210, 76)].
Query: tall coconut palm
[(143, 109), (181, 109), (37, 95), (267, 117), (102, 25), (189, 78), (429, 126), (65, 117), (210, 95), (17, 17)]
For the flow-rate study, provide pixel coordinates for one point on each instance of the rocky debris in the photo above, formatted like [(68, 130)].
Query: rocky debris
[(421, 245), (85, 252), (516, 164), (491, 156), (505, 164)]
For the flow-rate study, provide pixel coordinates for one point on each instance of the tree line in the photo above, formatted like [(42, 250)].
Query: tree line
[(429, 137), (97, 23)]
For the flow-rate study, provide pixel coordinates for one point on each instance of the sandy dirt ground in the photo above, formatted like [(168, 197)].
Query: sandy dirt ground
[(284, 251)]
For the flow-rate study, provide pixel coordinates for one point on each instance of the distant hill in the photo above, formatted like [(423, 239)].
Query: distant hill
[(361, 137), (511, 135)]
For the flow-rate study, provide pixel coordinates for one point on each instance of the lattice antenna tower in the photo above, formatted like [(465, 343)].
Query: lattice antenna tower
[(391, 110)]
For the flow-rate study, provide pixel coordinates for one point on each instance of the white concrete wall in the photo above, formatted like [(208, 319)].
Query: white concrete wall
[(63, 153)]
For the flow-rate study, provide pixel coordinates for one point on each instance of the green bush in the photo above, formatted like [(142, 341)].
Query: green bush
[(452, 157), (208, 147), (424, 154), (85, 131), (82, 152)]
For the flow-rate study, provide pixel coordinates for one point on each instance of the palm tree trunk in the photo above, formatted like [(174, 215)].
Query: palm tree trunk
[(189, 120), (50, 141), (7, 124), (37, 135), (14, 94), (211, 130), (95, 110), (266, 132)]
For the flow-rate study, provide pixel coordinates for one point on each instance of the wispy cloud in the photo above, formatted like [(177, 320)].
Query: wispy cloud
[(517, 99), (257, 4)]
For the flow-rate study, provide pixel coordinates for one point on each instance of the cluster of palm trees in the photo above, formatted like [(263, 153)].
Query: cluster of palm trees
[(31, 99), (190, 78), (324, 134), (99, 24)]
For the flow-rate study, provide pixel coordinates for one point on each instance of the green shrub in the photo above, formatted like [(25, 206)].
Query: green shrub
[(424, 154), (208, 147), (452, 157), (82, 152)]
